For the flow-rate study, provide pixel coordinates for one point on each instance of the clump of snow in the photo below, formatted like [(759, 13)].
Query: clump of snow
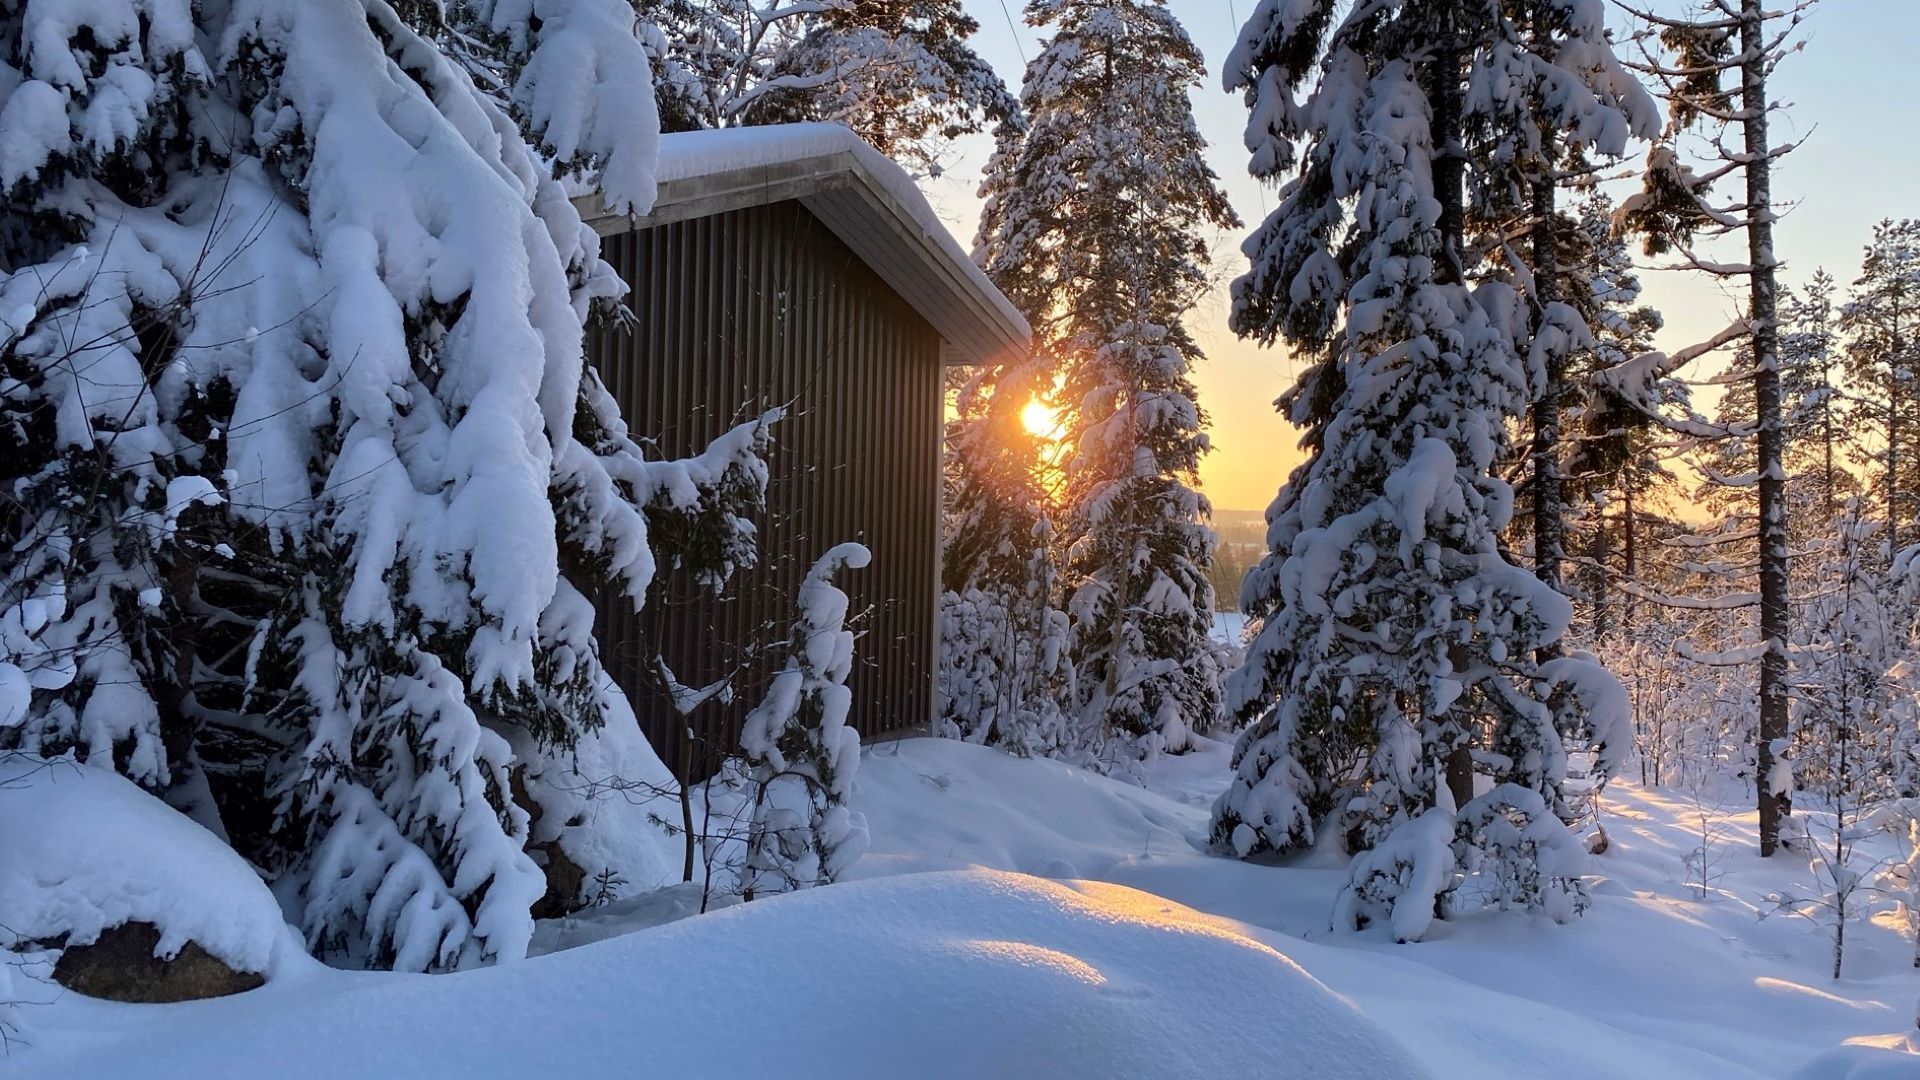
[(801, 757), (83, 850), (975, 974), (1400, 880)]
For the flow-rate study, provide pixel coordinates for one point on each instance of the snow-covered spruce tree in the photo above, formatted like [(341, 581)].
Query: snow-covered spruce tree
[(107, 499), (800, 754), (1095, 226), (1854, 712), (1398, 658), (974, 635), (297, 312), (1849, 700), (1523, 125), (898, 72), (1742, 42), (1003, 672)]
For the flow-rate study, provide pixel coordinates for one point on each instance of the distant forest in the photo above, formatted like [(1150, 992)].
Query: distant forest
[(1243, 542)]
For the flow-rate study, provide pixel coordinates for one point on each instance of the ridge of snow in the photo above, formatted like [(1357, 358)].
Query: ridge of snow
[(966, 974)]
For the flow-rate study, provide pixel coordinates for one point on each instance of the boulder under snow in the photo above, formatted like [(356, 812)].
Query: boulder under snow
[(145, 904)]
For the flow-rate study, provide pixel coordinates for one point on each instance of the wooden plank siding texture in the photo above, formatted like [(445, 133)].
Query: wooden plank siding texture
[(735, 313)]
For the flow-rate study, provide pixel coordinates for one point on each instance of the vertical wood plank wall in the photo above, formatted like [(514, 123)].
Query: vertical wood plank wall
[(736, 313)]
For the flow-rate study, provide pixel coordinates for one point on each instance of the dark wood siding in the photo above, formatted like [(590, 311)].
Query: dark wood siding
[(736, 313)]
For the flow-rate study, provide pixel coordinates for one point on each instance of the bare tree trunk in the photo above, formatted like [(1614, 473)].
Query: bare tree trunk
[(1766, 386), (686, 804), (1826, 432), (1630, 553), (1600, 596), (1449, 178), (1549, 527), (1895, 398), (171, 695)]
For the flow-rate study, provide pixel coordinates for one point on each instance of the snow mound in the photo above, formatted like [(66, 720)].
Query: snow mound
[(84, 850), (942, 804), (1872, 1057), (974, 974)]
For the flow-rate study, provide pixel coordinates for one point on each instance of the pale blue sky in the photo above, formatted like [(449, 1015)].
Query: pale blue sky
[(1855, 86)]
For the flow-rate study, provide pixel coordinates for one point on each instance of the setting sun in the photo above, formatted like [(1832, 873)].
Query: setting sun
[(1040, 419)]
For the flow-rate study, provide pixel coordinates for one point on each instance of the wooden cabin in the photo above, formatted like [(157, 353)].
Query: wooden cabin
[(795, 266)]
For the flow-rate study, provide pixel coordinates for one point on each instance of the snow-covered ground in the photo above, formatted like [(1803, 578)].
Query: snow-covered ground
[(1127, 951), (1229, 627), (1650, 983)]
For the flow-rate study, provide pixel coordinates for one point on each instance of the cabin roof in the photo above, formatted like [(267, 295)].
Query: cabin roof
[(861, 195)]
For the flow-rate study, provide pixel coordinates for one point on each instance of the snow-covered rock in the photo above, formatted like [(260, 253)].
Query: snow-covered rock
[(83, 850), (969, 974)]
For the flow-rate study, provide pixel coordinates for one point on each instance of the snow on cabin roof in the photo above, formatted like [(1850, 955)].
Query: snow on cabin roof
[(866, 199)]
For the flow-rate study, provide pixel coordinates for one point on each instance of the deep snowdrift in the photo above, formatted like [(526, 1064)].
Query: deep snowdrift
[(1653, 983), (914, 970), (969, 975)]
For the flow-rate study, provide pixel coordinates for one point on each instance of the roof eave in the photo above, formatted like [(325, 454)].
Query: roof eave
[(979, 327)]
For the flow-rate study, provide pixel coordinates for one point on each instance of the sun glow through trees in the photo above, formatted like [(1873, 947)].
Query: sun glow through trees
[(1041, 420)]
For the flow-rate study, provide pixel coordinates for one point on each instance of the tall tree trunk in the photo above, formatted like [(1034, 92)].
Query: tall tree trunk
[(1893, 452), (1549, 527), (172, 693), (1826, 428), (686, 805), (1766, 385), (1629, 573), (1449, 179), (1600, 596), (1630, 554)]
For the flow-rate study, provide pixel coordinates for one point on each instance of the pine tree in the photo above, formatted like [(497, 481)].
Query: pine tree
[(1095, 226), (301, 431), (1401, 650), (1743, 40), (1881, 323), (1852, 711), (1525, 123), (801, 756), (1815, 413), (898, 72)]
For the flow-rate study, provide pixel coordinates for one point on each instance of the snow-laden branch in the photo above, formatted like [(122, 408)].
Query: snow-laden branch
[(1735, 657), (1729, 602)]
